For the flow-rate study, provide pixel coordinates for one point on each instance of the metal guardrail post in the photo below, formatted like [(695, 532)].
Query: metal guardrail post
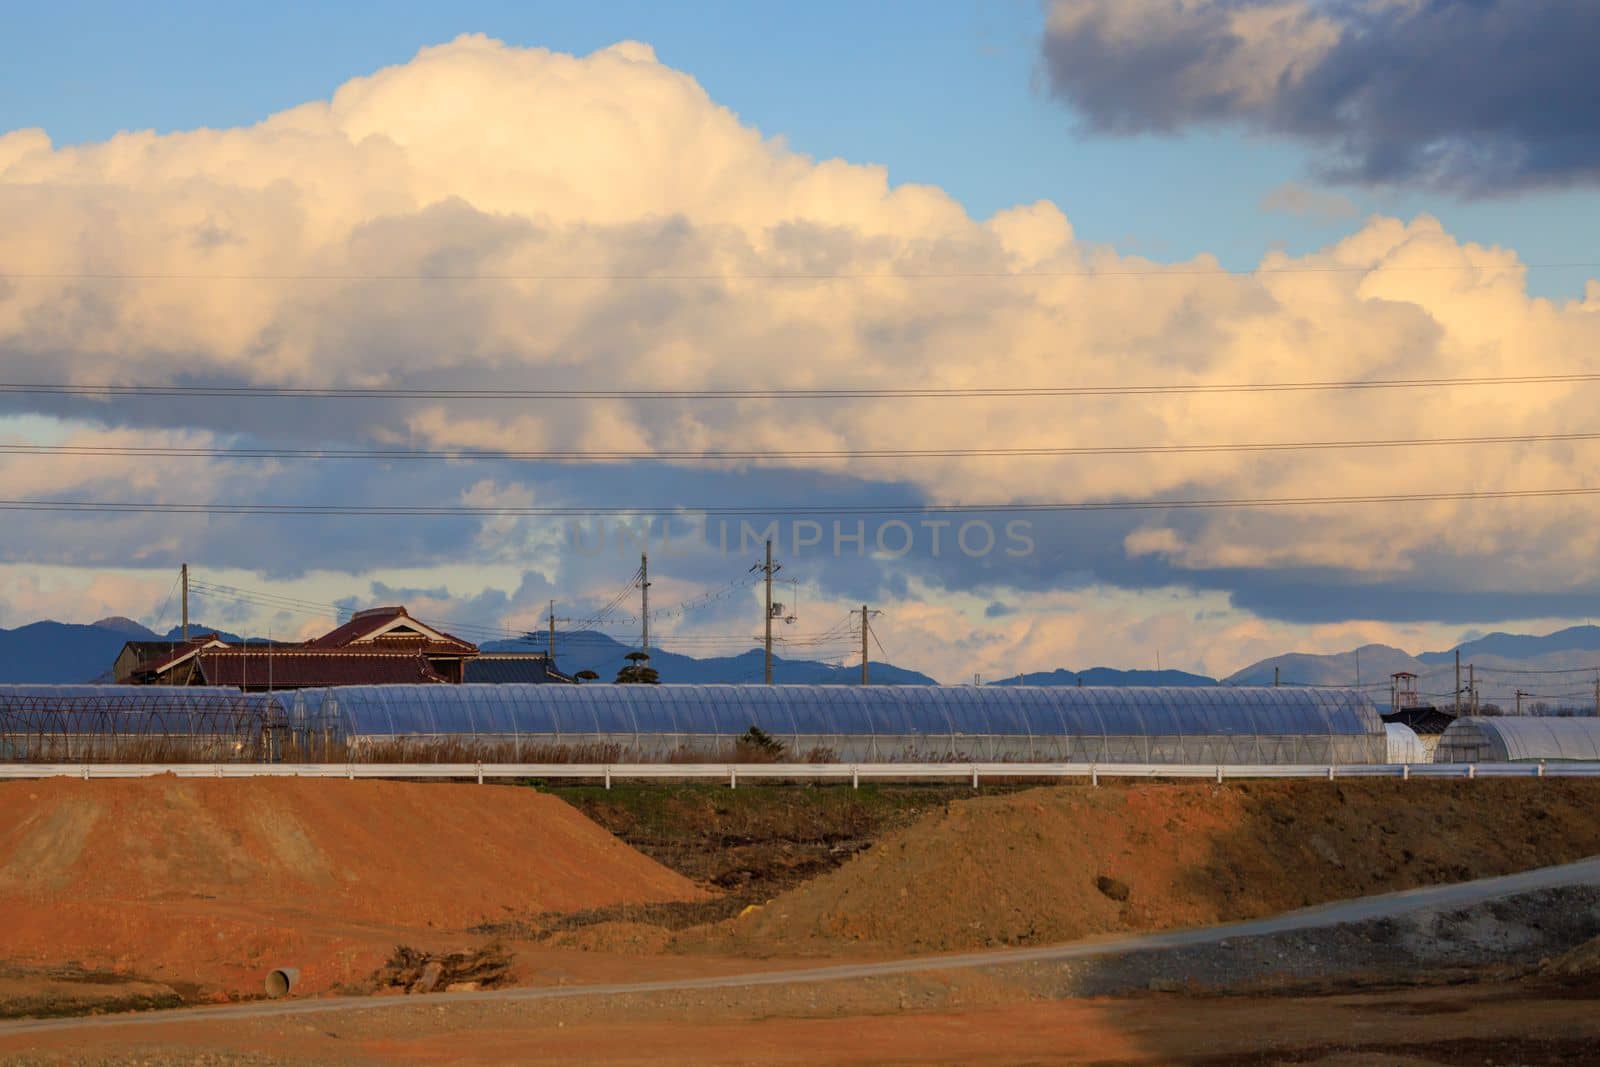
[(1472, 770), (1405, 772), (608, 777), (1541, 769), (733, 778), (974, 776), (855, 777), (480, 772), (1219, 774), (1094, 775), (1330, 772)]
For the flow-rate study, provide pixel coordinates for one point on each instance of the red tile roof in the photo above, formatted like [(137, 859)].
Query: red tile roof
[(363, 627), (172, 651), (300, 668)]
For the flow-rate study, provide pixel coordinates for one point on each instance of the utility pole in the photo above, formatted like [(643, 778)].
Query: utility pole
[(866, 614), (864, 618), (768, 569), (553, 620), (1458, 683), (183, 575), (1520, 695), (1472, 685), (1275, 677), (644, 592)]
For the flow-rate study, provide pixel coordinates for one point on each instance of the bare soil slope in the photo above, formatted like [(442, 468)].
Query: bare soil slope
[(181, 877), (1058, 864)]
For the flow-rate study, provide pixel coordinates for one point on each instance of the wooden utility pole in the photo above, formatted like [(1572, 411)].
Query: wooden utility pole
[(183, 575), (1472, 686), (864, 617), (1458, 683), (551, 653), (866, 613), (767, 643), (644, 593)]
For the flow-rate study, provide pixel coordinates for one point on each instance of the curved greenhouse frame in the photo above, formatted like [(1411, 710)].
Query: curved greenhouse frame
[(1520, 738), (1221, 725), (138, 723)]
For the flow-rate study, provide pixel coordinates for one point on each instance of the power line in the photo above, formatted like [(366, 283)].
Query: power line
[(260, 392), (1561, 670), (574, 510), (614, 603), (318, 609), (780, 276), (668, 455), (579, 634)]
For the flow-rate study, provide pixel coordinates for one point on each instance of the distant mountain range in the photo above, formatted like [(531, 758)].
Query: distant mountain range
[(67, 653), (1557, 669), (63, 653), (604, 654), (1107, 676)]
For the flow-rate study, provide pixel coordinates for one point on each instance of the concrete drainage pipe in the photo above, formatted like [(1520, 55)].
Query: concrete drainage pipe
[(281, 980)]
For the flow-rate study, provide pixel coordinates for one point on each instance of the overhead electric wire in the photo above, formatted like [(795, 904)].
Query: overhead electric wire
[(1553, 670), (265, 392), (616, 601), (779, 276), (677, 455), (318, 609), (99, 507)]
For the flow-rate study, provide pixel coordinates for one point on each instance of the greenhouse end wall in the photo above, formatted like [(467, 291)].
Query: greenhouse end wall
[(1213, 725), (1521, 738)]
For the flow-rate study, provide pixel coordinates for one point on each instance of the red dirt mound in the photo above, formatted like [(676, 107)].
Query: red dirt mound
[(162, 875), (1051, 865)]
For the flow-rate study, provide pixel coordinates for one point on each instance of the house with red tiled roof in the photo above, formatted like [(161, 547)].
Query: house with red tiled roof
[(379, 646), (393, 629)]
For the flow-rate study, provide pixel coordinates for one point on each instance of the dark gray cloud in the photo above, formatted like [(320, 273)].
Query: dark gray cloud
[(1478, 97)]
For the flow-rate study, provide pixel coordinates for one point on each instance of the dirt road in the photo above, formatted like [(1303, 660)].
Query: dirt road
[(1586, 873)]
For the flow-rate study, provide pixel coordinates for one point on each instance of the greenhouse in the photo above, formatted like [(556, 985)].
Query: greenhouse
[(1405, 746), (136, 723), (615, 723), (1520, 738)]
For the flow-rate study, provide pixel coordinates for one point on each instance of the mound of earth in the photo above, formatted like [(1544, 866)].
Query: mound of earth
[(212, 881), (1580, 962), (1057, 864)]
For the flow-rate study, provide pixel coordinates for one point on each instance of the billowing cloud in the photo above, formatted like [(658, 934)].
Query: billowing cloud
[(1478, 97), (501, 218)]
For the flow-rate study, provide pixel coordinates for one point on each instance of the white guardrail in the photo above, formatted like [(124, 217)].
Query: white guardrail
[(855, 773)]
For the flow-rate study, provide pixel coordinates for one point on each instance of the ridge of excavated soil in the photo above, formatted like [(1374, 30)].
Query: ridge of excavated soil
[(395, 852), (1058, 864), (210, 881)]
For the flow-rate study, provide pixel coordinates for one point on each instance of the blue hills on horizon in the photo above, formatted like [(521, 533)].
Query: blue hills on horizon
[(1108, 676), (49, 652), (1520, 646), (59, 653)]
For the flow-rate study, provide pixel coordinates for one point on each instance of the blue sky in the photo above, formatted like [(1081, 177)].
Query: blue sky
[(982, 102), (950, 93)]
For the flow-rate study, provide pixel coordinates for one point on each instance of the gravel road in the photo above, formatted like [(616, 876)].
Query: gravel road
[(1268, 942)]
